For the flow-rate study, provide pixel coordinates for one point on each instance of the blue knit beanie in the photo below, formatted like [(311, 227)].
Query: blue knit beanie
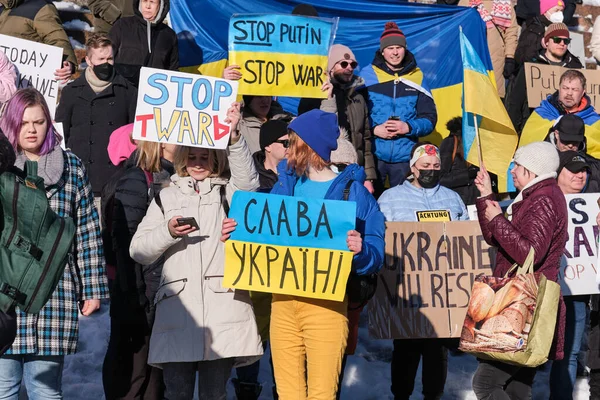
[(319, 129)]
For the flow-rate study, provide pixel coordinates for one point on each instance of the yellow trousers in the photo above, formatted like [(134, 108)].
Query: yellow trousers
[(308, 340)]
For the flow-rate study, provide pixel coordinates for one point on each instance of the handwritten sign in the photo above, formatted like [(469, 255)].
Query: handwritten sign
[(289, 245), (543, 80), (186, 109), (35, 63), (281, 55), (579, 264), (425, 283), (433, 216)]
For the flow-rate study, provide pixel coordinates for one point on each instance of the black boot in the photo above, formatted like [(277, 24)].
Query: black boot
[(246, 391)]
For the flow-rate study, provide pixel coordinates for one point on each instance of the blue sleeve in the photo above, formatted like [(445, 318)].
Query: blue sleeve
[(424, 122), (371, 225)]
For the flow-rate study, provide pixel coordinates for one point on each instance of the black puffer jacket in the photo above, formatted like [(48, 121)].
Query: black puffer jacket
[(530, 41), (267, 178), (7, 154), (135, 285), (130, 36), (88, 120)]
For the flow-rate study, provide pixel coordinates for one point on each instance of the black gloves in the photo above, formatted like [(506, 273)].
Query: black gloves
[(510, 67)]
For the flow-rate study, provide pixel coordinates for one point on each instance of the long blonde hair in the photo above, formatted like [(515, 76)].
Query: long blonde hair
[(148, 156), (217, 159)]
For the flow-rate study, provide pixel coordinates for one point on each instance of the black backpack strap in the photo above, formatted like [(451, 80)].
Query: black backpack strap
[(346, 194), (224, 203), (158, 202)]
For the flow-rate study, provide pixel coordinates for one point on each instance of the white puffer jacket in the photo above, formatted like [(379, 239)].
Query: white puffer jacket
[(196, 318)]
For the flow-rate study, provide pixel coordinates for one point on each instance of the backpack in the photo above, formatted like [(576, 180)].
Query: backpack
[(34, 241), (360, 288)]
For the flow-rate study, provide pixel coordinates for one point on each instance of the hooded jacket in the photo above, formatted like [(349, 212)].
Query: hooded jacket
[(137, 43), (404, 94), (516, 102), (197, 319), (369, 220), (541, 120), (38, 21)]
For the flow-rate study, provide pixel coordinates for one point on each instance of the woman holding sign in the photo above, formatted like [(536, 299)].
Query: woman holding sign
[(421, 192), (199, 325), (309, 336), (537, 218)]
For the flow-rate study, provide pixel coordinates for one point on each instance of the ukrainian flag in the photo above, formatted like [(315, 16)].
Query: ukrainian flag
[(497, 135), (431, 31)]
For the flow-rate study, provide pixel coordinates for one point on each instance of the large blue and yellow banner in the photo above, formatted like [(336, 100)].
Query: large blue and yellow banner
[(431, 30), (289, 245), (281, 55)]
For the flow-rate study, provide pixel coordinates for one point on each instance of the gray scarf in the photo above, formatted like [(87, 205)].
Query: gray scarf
[(50, 166)]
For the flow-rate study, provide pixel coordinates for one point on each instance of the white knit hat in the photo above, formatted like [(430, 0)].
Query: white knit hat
[(539, 158)]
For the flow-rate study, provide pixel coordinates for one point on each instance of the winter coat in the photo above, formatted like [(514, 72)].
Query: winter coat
[(249, 125), (7, 154), (595, 41), (502, 43), (539, 220), (197, 319), (267, 178), (401, 202), (8, 78), (38, 21), (369, 220), (135, 284), (107, 12), (412, 102), (456, 174), (130, 37), (88, 120), (526, 9), (55, 330), (530, 41), (357, 117), (542, 119), (516, 102)]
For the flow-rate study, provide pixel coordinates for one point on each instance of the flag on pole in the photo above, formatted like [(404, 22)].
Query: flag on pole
[(497, 136)]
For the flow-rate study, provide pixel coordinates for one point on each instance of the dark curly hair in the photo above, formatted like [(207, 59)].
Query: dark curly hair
[(455, 126)]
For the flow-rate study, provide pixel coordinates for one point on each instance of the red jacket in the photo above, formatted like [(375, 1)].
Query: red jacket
[(539, 221)]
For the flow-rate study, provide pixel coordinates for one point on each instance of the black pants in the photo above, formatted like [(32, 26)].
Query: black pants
[(405, 362), (499, 381), (126, 373), (595, 384)]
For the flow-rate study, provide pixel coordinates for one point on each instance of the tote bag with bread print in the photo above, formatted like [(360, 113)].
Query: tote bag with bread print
[(512, 320)]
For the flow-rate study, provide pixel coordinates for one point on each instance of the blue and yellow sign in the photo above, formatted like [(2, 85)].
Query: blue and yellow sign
[(289, 245), (281, 55)]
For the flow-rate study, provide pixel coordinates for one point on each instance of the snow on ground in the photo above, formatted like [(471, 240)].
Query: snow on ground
[(76, 44), (68, 6), (78, 25), (367, 373)]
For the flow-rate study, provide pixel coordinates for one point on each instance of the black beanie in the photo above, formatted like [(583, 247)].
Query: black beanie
[(271, 131), (306, 10)]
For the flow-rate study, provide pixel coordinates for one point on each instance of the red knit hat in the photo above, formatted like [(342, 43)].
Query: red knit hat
[(392, 36)]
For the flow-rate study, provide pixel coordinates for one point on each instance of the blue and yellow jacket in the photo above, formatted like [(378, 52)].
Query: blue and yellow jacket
[(404, 94), (541, 120), (369, 220)]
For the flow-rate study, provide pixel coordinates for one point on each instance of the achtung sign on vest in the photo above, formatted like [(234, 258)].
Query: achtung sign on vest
[(425, 283), (289, 245)]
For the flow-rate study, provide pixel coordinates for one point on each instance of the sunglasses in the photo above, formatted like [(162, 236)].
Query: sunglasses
[(285, 143), (557, 40), (344, 64)]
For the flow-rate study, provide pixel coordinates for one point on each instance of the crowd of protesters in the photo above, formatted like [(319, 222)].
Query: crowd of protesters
[(174, 329)]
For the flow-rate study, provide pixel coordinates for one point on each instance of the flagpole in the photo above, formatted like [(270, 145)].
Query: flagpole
[(479, 152)]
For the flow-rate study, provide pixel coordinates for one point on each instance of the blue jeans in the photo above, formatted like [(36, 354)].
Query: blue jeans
[(42, 376), (564, 372), (396, 172)]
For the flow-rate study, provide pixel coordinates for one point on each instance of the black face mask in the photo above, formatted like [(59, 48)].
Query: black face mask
[(104, 71), (429, 178)]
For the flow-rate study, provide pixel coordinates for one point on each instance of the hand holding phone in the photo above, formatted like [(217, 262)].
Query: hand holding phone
[(187, 226), (191, 221)]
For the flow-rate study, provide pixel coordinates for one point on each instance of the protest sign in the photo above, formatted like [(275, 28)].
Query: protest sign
[(543, 80), (425, 283), (281, 55), (186, 109), (579, 264), (289, 245), (35, 63), (433, 216)]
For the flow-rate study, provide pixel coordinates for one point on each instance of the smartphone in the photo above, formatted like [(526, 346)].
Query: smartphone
[(191, 221), (394, 118)]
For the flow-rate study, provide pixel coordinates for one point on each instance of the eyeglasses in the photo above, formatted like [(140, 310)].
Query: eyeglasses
[(557, 40), (285, 143), (344, 64)]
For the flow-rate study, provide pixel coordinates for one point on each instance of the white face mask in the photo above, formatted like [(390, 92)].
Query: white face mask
[(557, 17)]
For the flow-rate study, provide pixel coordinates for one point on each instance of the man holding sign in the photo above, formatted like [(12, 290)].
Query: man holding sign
[(309, 326)]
